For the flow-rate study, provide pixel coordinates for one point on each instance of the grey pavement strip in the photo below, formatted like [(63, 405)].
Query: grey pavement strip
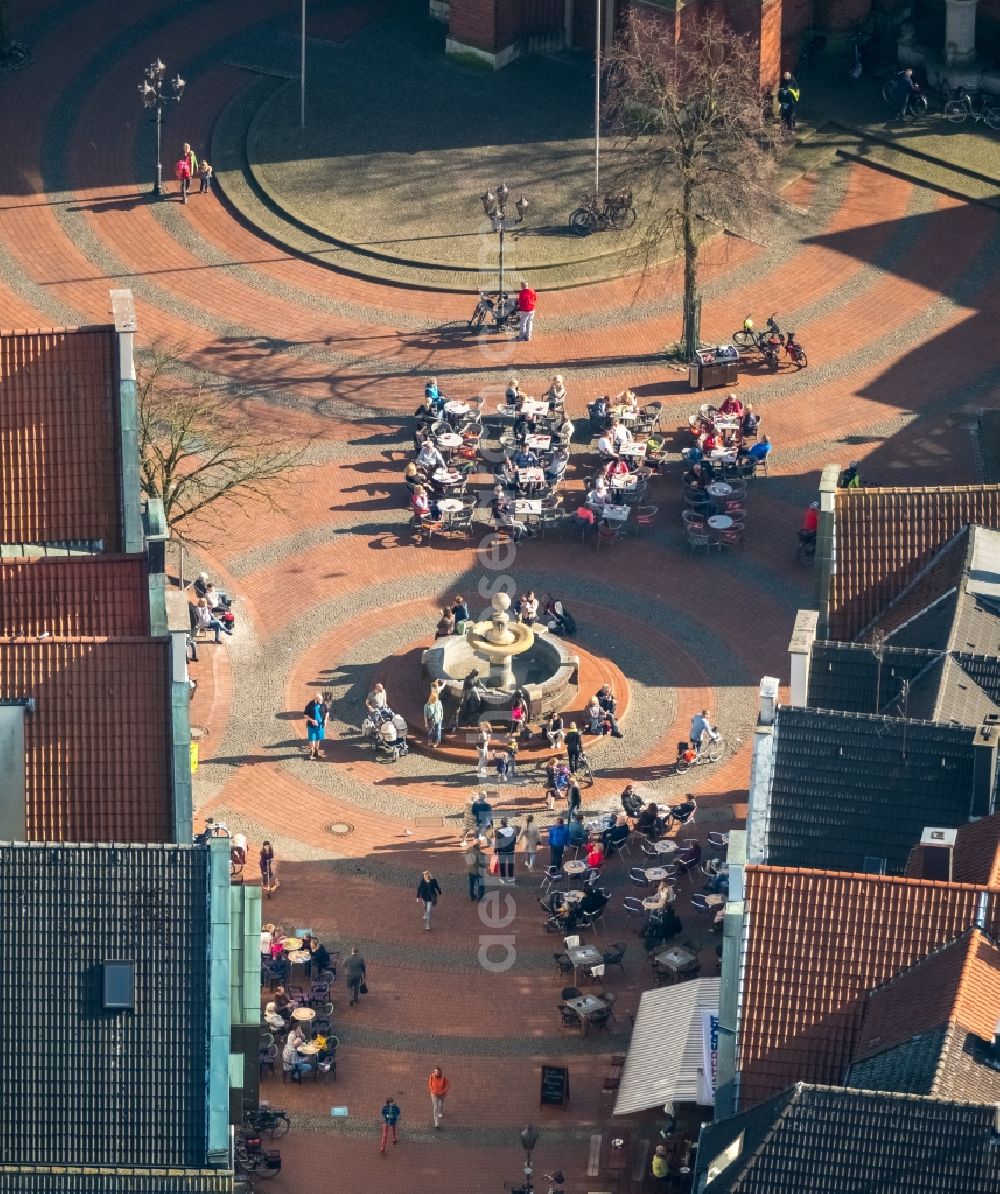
[(484, 1136)]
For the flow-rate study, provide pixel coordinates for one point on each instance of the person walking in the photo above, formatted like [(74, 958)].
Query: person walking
[(504, 842), (483, 750), (433, 718), (527, 301), (558, 841), (906, 89), (437, 1084), (267, 877), (574, 745), (316, 713), (205, 176), (390, 1117), (182, 172), (428, 890), (788, 100), (475, 864), (356, 972), (531, 835)]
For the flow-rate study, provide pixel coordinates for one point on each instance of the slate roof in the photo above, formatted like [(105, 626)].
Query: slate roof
[(817, 942), (854, 678), (84, 1085), (844, 786), (929, 1029), (977, 852), (885, 537), (59, 438), (826, 1139), (74, 596), (67, 1180), (97, 747)]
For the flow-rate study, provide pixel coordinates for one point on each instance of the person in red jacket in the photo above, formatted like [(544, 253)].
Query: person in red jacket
[(527, 300), (437, 1084)]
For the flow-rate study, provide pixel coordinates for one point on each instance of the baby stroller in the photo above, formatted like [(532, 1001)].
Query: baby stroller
[(386, 733), (559, 620)]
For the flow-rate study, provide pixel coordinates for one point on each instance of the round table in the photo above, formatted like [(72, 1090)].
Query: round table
[(665, 847), (450, 439), (720, 489), (572, 897), (298, 956), (457, 408), (720, 522), (308, 1050), (651, 903), (655, 873), (574, 867), (443, 477), (305, 1014), (290, 944), (449, 505)]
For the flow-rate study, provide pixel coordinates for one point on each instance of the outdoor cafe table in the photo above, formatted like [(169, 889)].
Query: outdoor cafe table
[(586, 1005), (584, 955), (655, 873), (612, 513), (290, 944), (722, 456), (541, 443), (449, 439), (667, 846), (720, 522), (572, 897), (651, 903), (633, 451), (527, 507), (449, 506), (298, 957), (446, 477), (304, 1014), (675, 958), (720, 489), (626, 414), (456, 408), (530, 476), (574, 867), (626, 482), (308, 1049)]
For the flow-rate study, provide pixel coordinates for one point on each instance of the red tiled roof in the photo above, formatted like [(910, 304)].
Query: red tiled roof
[(957, 984), (74, 596), (817, 943), (98, 760), (977, 852), (884, 537), (59, 437)]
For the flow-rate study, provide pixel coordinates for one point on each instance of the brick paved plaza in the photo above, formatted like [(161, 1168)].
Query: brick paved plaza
[(890, 285)]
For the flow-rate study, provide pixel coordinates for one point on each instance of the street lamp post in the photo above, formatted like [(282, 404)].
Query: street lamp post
[(529, 1138), (495, 206), (154, 94)]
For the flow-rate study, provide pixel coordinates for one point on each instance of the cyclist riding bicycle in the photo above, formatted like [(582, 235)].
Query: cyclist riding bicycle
[(700, 726), (810, 524)]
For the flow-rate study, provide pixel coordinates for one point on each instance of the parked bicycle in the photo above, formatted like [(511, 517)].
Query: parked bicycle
[(252, 1157), (962, 105), (498, 310), (267, 1119), (916, 102), (618, 212)]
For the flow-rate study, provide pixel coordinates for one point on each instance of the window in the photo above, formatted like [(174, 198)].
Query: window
[(119, 984)]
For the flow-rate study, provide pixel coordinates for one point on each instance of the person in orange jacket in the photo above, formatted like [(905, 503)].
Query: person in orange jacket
[(437, 1084)]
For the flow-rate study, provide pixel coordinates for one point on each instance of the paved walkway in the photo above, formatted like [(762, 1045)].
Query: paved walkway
[(889, 285)]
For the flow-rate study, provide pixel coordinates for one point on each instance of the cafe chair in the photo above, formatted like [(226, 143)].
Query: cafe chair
[(734, 505), (571, 942), (570, 993), (552, 876), (563, 964), (596, 972), (644, 516), (635, 911), (698, 542), (615, 956), (592, 919), (686, 817), (608, 534), (734, 537), (600, 1019), (718, 841), (267, 1058), (700, 904), (649, 850), (637, 877), (569, 1019)]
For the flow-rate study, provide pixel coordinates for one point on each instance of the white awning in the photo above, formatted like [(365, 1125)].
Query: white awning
[(666, 1060)]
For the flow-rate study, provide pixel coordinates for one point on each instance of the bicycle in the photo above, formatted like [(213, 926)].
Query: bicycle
[(916, 101), (618, 212), (962, 106), (584, 774), (268, 1119), (711, 752)]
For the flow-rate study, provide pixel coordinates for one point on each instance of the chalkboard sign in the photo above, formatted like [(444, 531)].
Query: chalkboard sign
[(555, 1086)]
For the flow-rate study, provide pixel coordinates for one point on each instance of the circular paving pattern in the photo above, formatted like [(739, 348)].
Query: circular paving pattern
[(887, 284)]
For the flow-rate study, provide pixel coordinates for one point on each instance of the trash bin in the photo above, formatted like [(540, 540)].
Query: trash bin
[(714, 368)]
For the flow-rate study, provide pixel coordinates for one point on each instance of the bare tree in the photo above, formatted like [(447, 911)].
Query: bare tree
[(197, 452), (688, 119)]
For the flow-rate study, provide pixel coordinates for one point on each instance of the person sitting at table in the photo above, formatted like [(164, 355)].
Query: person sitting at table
[(502, 513), (616, 468), (593, 901), (525, 457), (711, 441), (683, 812), (620, 434), (423, 508), (598, 496), (582, 518), (319, 955), (595, 856), (283, 1005), (606, 447), (750, 422), (524, 425), (758, 451), (556, 393), (627, 399), (429, 458), (513, 395), (693, 454), (292, 1063), (600, 409), (650, 822), (631, 801), (616, 837), (413, 475), (731, 406), (556, 467), (699, 475), (552, 728), (663, 897), (274, 1022), (719, 883), (433, 396), (689, 856)]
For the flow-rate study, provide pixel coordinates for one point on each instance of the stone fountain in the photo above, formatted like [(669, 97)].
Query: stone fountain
[(515, 657), (497, 640)]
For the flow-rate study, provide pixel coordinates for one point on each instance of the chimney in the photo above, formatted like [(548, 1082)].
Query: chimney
[(769, 686), (937, 848), (984, 766), (800, 650)]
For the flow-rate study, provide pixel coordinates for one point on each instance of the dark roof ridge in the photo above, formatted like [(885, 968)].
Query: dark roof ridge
[(903, 880), (883, 717), (899, 1095), (871, 648)]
